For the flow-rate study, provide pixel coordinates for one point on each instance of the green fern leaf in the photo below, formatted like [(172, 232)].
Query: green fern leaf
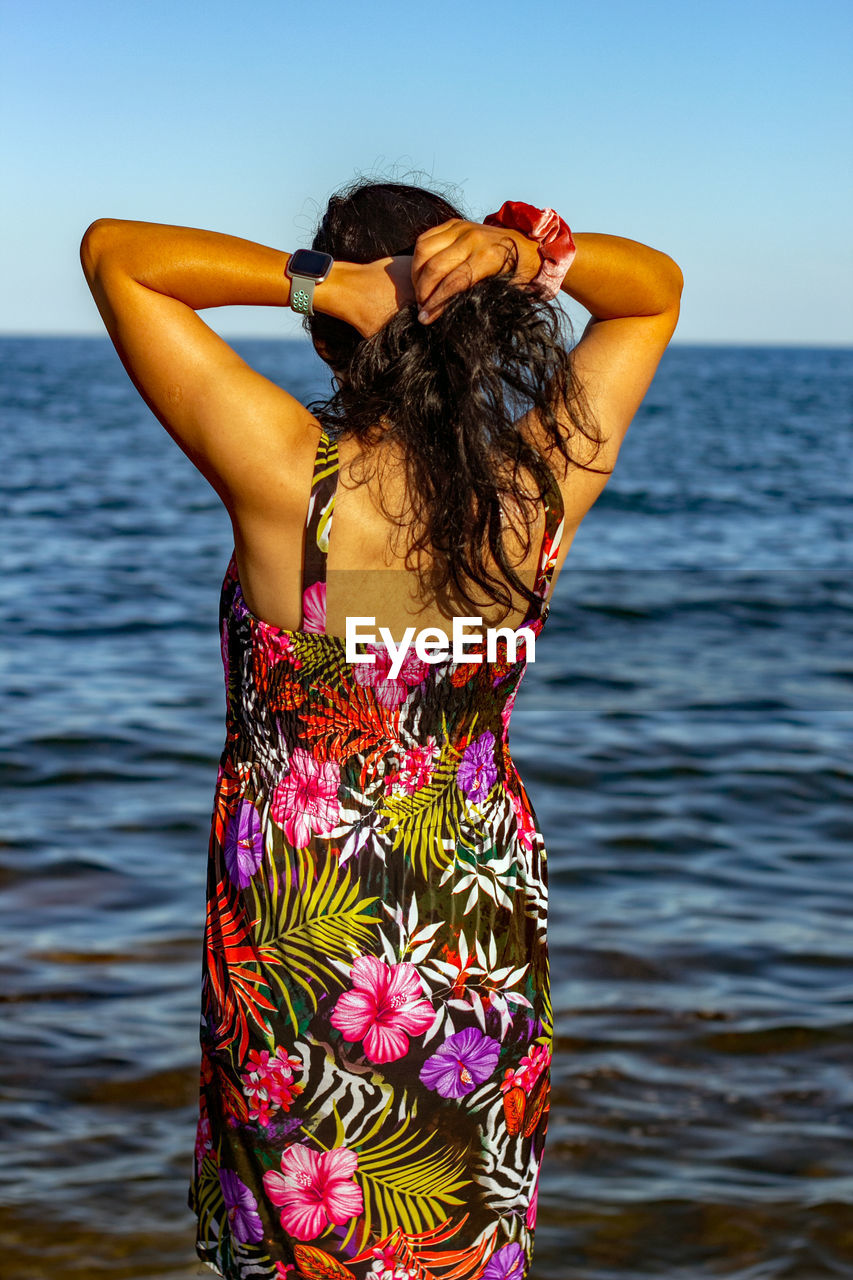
[(318, 663), (433, 815), (307, 920), (407, 1177)]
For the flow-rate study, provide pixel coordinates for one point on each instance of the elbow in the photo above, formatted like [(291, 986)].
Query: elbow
[(677, 278), (670, 285), (95, 238)]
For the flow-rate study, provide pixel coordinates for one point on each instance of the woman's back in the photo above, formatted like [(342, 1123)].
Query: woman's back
[(366, 571)]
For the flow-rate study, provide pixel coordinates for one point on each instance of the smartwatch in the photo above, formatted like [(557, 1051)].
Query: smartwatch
[(306, 268)]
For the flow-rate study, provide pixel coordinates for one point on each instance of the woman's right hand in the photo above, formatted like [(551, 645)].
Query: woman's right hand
[(457, 254)]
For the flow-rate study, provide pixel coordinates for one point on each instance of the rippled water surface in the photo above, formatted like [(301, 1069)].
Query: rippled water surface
[(685, 734)]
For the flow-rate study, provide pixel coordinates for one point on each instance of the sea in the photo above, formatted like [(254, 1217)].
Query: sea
[(685, 734)]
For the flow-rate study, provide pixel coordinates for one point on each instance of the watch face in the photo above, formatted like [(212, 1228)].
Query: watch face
[(309, 262)]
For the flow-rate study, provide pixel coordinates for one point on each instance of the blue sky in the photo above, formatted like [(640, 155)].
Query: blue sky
[(721, 134)]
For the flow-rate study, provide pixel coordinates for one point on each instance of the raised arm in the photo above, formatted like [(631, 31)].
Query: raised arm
[(633, 293), (149, 279)]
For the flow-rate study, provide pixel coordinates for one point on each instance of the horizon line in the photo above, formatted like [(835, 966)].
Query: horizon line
[(783, 344)]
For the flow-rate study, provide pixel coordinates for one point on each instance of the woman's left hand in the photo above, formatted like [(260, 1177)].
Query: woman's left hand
[(382, 288)]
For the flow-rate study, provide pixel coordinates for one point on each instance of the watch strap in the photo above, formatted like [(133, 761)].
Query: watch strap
[(302, 294)]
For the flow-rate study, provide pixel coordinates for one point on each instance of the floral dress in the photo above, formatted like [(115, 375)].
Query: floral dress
[(376, 1018)]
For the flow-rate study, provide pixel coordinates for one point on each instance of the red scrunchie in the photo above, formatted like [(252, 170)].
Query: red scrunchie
[(554, 240)]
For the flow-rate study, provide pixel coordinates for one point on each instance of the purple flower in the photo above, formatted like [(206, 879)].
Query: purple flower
[(244, 844), (466, 1059), (477, 770), (242, 1208), (506, 1264)]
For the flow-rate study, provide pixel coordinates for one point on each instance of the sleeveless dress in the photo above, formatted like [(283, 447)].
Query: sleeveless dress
[(376, 1019)]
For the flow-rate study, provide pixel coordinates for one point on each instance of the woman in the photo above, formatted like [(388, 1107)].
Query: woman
[(376, 1023)]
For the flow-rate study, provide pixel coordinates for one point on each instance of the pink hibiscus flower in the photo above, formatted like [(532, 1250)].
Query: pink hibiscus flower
[(416, 768), (375, 674), (528, 1071), (530, 1216), (314, 608), (550, 552), (525, 826), (315, 1189), (277, 648), (306, 800), (203, 1141), (506, 711), (387, 1265), (268, 1083), (538, 1057), (384, 1008)]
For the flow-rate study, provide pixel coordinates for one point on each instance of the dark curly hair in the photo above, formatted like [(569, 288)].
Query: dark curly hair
[(451, 393)]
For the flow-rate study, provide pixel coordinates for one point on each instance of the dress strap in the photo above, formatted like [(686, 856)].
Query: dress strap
[(551, 538), (320, 510)]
